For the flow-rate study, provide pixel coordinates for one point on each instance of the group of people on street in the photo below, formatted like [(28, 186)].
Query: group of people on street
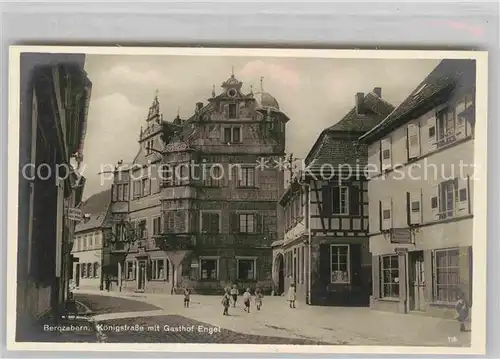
[(231, 295)]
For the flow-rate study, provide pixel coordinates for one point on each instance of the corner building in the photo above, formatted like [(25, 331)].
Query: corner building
[(208, 207), (421, 194)]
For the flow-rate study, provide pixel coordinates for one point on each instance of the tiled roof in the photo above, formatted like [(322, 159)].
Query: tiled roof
[(97, 203), (443, 77), (95, 221), (338, 145), (378, 110)]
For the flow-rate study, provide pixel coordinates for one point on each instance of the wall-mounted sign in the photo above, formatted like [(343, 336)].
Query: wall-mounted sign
[(176, 146), (75, 214), (401, 235)]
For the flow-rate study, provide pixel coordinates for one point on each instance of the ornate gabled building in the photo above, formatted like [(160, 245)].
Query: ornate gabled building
[(205, 210), (325, 251)]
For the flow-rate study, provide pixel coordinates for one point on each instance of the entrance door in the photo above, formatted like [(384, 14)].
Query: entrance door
[(281, 274), (141, 276), (418, 290)]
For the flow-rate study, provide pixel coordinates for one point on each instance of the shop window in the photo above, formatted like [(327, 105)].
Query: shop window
[(389, 277), (209, 268), (246, 268), (339, 269), (447, 275)]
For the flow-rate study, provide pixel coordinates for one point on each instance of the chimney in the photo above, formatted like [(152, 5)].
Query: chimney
[(378, 91), (199, 106), (360, 103)]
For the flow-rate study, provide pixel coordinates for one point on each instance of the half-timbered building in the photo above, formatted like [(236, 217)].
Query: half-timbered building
[(420, 187), (325, 246)]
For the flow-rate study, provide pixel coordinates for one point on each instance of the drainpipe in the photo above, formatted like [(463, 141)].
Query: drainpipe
[(308, 239)]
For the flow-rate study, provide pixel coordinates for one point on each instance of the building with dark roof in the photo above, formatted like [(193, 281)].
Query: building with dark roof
[(325, 210), (202, 211), (89, 244), (420, 167)]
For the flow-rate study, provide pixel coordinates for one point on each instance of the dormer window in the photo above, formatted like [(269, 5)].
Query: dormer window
[(232, 111)]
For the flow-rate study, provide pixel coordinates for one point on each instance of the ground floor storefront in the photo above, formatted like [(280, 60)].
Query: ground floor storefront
[(426, 281), (340, 270), (206, 271)]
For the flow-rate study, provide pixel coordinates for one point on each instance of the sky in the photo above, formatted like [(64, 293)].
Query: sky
[(315, 93)]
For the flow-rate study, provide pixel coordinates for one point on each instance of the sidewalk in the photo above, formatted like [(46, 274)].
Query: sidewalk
[(336, 325)]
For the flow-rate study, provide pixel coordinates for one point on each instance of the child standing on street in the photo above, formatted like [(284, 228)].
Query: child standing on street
[(258, 298), (225, 302), (462, 309), (246, 299), (292, 295), (234, 294), (187, 297)]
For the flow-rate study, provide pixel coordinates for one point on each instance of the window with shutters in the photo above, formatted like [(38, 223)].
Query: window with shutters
[(246, 268), (247, 223), (210, 222), (145, 187), (340, 205), (209, 268), (413, 141), (339, 263), (386, 214), (447, 126), (389, 276), (414, 206), (447, 275)]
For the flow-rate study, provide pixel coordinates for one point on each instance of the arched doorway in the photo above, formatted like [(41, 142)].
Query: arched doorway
[(280, 268)]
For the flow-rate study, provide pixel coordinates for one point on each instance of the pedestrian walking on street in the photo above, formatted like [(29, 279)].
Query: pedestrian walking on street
[(187, 297), (225, 302), (292, 295), (234, 295), (258, 298), (108, 283), (462, 308), (246, 299)]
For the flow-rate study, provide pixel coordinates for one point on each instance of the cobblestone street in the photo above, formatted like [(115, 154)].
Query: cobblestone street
[(274, 324)]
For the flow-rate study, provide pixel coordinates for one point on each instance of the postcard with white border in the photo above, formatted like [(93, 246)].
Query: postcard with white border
[(247, 200)]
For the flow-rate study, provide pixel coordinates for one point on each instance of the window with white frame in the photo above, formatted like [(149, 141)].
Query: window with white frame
[(158, 269), (246, 268), (233, 111), (247, 222), (389, 276), (83, 268), (142, 229), (415, 206), (90, 270), (209, 268), (340, 264), (340, 200), (145, 187), (129, 270), (447, 275), (247, 177)]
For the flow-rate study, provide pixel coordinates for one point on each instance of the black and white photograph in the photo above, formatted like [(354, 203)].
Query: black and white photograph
[(246, 199)]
